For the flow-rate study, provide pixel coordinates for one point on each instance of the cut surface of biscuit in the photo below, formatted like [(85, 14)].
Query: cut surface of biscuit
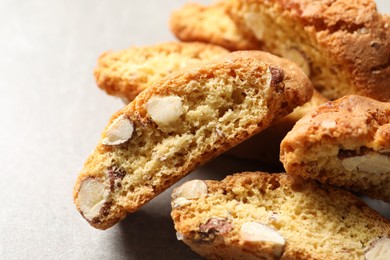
[(114, 68), (128, 72), (213, 24), (265, 146), (257, 215), (342, 45), (344, 143), (181, 122)]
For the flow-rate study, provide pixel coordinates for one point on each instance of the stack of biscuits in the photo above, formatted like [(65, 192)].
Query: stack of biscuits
[(300, 86)]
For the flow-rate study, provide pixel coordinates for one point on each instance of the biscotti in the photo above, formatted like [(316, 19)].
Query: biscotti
[(256, 215), (342, 45), (212, 24), (151, 63), (181, 122), (344, 143), (128, 72)]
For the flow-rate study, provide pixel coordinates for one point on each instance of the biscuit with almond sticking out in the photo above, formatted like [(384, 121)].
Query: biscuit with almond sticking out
[(344, 143), (184, 120), (342, 45), (257, 215)]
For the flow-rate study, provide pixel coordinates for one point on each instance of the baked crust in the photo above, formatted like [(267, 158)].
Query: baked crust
[(342, 45), (322, 144), (316, 221), (346, 43), (213, 24), (128, 72), (220, 104)]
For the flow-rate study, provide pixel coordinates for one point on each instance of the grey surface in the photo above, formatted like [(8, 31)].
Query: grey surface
[(51, 116)]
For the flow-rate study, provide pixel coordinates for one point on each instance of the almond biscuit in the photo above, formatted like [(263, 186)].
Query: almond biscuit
[(128, 72), (181, 122), (257, 215), (344, 143)]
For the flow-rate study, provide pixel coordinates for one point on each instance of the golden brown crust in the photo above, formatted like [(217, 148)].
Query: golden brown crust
[(315, 220), (128, 72), (344, 46), (223, 102), (353, 126), (352, 37), (195, 22)]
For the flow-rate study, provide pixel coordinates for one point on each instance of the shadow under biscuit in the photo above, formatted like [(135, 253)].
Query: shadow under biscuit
[(226, 164), (147, 234), (380, 206)]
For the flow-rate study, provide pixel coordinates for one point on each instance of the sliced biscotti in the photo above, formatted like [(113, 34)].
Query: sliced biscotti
[(265, 146), (342, 45), (276, 216), (181, 122), (128, 72), (213, 24), (344, 143), (155, 62)]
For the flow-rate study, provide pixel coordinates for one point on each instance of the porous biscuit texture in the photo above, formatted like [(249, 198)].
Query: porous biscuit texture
[(342, 45), (256, 215), (344, 143), (152, 63), (265, 146), (128, 72), (185, 119), (212, 24)]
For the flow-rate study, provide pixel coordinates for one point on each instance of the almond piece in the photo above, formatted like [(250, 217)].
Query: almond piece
[(216, 225), (254, 232), (379, 250), (256, 24), (369, 163), (120, 130), (179, 236), (164, 110), (179, 202), (191, 190), (92, 197), (188, 191)]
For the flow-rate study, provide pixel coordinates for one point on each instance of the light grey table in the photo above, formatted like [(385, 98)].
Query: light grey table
[(51, 117)]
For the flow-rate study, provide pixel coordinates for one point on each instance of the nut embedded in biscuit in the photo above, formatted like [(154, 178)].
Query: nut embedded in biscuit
[(91, 198), (179, 236), (277, 77), (379, 250), (256, 23), (216, 225), (211, 229), (180, 201), (175, 128), (271, 219), (191, 190), (370, 163), (344, 143), (119, 131), (165, 110), (254, 232)]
